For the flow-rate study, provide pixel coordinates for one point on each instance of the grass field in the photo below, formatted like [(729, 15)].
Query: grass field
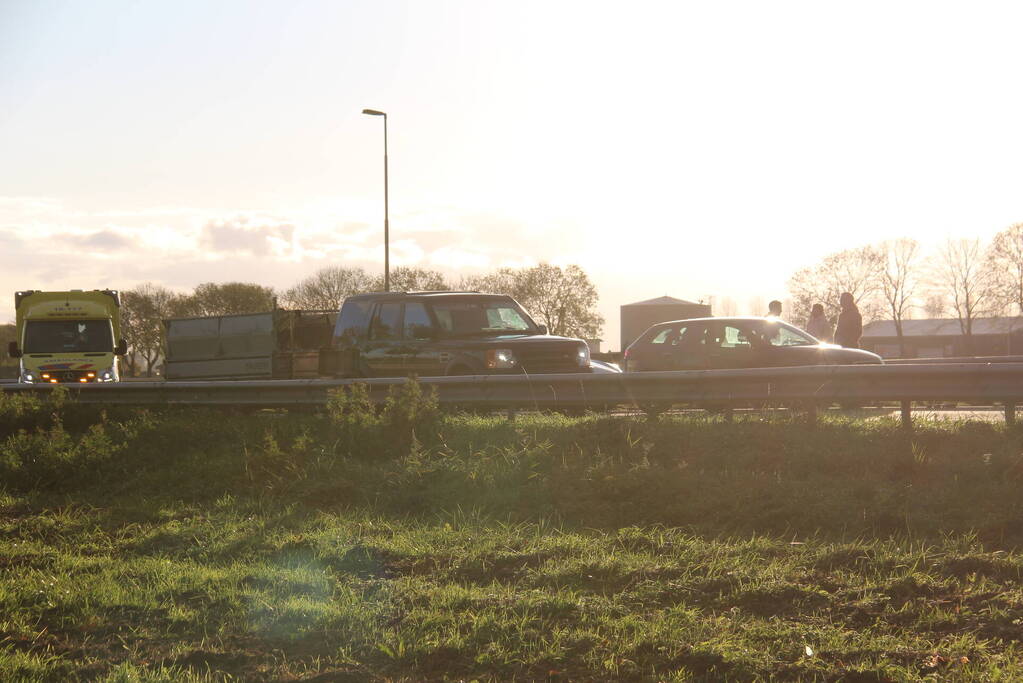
[(413, 545)]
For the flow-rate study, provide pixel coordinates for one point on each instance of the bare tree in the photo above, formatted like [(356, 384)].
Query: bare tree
[(143, 310), (899, 281), (412, 279), (325, 289), (1005, 262), (8, 365), (963, 275), (563, 299), (935, 306), (728, 307), (857, 271), (226, 298)]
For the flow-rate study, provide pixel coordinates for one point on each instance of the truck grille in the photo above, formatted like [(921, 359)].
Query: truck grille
[(558, 359), (68, 375)]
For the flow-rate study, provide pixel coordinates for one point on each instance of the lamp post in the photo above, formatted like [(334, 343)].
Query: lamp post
[(387, 227)]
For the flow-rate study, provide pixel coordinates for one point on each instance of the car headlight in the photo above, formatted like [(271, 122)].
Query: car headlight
[(27, 377), (582, 356), (500, 359), (106, 375)]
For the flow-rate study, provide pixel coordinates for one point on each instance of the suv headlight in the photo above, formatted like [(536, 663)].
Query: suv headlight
[(500, 359), (582, 356)]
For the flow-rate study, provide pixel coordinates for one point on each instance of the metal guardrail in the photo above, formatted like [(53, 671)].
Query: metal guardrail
[(809, 387), (954, 359)]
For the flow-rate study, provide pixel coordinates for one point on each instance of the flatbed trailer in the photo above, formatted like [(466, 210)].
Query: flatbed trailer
[(278, 344)]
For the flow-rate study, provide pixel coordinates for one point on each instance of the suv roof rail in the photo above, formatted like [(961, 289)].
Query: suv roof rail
[(423, 292), (444, 291)]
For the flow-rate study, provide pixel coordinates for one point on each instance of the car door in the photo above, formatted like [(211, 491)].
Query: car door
[(419, 335), (688, 347), (384, 355), (729, 345)]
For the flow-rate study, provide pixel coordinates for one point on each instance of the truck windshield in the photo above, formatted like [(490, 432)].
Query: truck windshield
[(481, 318), (68, 336)]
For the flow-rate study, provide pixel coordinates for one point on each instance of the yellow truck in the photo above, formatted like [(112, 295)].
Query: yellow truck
[(68, 337)]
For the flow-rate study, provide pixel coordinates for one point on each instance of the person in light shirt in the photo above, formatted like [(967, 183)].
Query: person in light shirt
[(817, 324)]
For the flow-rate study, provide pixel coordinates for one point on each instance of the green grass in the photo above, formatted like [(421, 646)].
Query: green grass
[(412, 545)]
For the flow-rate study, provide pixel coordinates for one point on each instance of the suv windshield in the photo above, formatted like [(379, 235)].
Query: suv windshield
[(68, 336), (470, 318)]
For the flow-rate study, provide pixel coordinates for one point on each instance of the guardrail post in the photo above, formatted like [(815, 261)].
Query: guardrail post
[(512, 412), (907, 415), (1010, 413), (811, 415)]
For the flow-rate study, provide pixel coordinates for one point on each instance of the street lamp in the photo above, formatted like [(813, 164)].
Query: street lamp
[(387, 227)]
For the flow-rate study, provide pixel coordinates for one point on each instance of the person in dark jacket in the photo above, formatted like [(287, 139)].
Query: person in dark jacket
[(773, 309), (850, 323)]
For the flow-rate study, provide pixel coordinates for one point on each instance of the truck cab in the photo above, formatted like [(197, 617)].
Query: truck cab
[(68, 337)]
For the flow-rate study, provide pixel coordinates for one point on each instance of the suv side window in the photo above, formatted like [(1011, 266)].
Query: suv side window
[(353, 322), (386, 322), (417, 323)]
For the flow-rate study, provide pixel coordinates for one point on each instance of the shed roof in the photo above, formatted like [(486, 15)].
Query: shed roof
[(664, 301), (943, 327)]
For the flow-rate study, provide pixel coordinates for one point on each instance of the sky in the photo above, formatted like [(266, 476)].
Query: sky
[(678, 148)]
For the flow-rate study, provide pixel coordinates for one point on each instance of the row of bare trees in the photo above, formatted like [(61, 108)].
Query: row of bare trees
[(144, 308), (564, 299), (896, 280)]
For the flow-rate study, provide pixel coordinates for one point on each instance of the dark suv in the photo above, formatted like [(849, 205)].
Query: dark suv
[(391, 334)]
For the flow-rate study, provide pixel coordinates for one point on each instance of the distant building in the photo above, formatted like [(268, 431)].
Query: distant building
[(594, 344), (944, 338), (638, 317)]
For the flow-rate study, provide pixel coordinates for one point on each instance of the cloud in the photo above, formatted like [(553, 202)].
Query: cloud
[(182, 247), (243, 235), (104, 240)]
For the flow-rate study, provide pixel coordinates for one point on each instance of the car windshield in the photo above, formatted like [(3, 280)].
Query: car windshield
[(68, 336), (481, 318), (777, 333)]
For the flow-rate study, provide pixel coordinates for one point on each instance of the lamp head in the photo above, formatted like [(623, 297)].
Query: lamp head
[(373, 112)]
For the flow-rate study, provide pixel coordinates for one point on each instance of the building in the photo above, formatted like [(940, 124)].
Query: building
[(638, 317), (944, 338)]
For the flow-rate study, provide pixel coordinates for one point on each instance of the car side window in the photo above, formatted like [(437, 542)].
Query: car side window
[(691, 338), (386, 322), (732, 337), (664, 336), (417, 324), (785, 337)]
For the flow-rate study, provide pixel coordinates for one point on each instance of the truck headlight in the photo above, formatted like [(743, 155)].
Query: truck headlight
[(106, 375), (582, 356), (27, 377), (500, 359)]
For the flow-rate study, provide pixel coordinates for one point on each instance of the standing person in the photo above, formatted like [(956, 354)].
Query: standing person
[(817, 325), (774, 309), (850, 323)]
